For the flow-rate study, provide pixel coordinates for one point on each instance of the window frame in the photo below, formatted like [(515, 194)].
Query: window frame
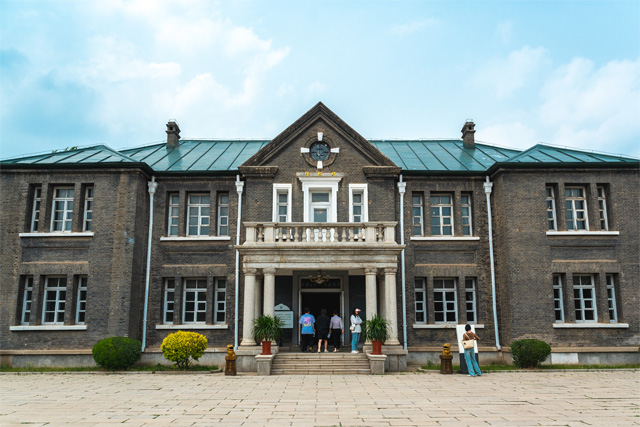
[(440, 207), (612, 305), (60, 293), (67, 213), (197, 308), (169, 301), (87, 218), (550, 194), (573, 222), (324, 183), (219, 215), (279, 189), (363, 190), (443, 292), (81, 300), (220, 298), (27, 299), (173, 212), (579, 288), (420, 294), (470, 286), (558, 301), (198, 207), (602, 207), (35, 209), (469, 206), (419, 196)]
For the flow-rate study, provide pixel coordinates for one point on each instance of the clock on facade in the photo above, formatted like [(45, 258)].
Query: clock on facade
[(319, 150)]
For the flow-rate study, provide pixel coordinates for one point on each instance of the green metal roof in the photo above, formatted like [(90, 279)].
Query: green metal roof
[(418, 156), (449, 156), (542, 153)]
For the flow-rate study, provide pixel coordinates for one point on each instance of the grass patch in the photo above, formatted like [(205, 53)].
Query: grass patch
[(430, 366), (141, 368)]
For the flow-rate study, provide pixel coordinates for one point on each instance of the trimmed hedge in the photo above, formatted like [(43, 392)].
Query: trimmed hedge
[(528, 353), (117, 353), (180, 347)]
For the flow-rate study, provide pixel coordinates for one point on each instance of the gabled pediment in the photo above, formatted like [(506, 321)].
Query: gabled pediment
[(316, 115)]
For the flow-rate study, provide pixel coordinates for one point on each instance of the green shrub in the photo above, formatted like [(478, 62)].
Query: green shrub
[(528, 353), (117, 353), (181, 347)]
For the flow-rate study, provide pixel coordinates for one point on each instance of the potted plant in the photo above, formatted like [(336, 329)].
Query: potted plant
[(266, 329), (377, 330)]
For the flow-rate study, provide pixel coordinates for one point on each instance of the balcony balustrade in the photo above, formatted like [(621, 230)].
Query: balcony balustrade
[(319, 232)]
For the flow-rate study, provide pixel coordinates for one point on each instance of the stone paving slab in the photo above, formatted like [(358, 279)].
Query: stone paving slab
[(601, 398)]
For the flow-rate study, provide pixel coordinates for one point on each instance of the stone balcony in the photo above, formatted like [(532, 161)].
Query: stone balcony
[(319, 233)]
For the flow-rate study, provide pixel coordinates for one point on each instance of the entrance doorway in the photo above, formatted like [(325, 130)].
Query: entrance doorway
[(316, 301)]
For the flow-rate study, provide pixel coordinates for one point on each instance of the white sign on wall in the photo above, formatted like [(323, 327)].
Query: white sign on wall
[(285, 314)]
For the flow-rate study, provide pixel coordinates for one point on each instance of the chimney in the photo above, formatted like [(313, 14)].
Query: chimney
[(173, 134), (468, 130)]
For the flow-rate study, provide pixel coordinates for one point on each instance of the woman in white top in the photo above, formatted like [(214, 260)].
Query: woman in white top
[(356, 329)]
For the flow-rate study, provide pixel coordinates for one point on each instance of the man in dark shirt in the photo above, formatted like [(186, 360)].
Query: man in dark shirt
[(322, 326)]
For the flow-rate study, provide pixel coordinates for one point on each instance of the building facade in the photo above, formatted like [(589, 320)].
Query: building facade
[(206, 235)]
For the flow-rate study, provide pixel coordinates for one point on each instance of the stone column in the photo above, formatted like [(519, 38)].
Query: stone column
[(258, 298), (249, 307), (383, 299), (269, 291), (371, 292), (392, 306)]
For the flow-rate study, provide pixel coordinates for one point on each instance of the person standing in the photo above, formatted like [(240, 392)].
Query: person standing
[(308, 323), (469, 353), (337, 330), (355, 329), (322, 326)]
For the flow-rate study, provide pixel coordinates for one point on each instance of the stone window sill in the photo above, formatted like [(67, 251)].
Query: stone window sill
[(591, 325), (58, 234), (193, 238), (583, 233), (442, 326), (192, 326), (48, 328), (444, 239)]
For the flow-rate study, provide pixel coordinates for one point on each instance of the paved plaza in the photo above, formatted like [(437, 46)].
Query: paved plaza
[(602, 398)]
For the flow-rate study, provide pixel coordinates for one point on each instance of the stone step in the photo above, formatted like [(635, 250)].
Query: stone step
[(308, 371), (320, 364)]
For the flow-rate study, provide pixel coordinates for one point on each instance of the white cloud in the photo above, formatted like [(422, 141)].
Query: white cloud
[(413, 26), (317, 88), (593, 107), (504, 31), (511, 135), (504, 76)]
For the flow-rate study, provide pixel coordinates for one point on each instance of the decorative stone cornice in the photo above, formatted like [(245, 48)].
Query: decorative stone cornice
[(258, 171)]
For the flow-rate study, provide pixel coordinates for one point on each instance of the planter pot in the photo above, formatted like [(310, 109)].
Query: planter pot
[(266, 347), (377, 347)]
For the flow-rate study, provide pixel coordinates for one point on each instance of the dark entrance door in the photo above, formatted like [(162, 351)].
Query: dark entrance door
[(316, 301)]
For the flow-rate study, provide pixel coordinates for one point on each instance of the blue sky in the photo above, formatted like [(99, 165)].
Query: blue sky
[(80, 73)]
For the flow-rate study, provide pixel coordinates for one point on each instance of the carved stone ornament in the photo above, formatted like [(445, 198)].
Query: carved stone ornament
[(319, 151)]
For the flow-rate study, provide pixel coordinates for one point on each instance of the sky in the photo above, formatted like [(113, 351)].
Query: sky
[(113, 72)]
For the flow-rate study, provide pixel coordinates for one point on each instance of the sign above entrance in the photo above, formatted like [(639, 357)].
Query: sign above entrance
[(329, 284)]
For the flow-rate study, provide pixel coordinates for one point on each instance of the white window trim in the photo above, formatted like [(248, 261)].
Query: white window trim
[(57, 300), (49, 327), (470, 206), (198, 208), (87, 200), (581, 287), (442, 326), (560, 299), (189, 326), (58, 234), (65, 210), (170, 217), (611, 300), (591, 325), (81, 288), (192, 238), (278, 189), (37, 201), (421, 206), (364, 189), (28, 286), (164, 305), (552, 198), (219, 216), (320, 183), (602, 213), (583, 233), (474, 290), (444, 238), (574, 210), (216, 291), (444, 301), (441, 216), (195, 308), (424, 301)]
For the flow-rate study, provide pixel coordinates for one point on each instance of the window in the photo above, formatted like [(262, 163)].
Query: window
[(35, 212), (81, 301), (320, 206), (576, 206), (198, 211), (611, 298), (358, 202), (465, 208), (88, 209), (62, 216), (223, 214), (445, 307), (417, 212), (551, 209), (169, 300), (558, 305), (470, 299), (220, 315), (194, 301), (55, 294), (441, 215), (584, 298), (602, 209), (421, 301), (281, 202), (27, 295), (174, 205)]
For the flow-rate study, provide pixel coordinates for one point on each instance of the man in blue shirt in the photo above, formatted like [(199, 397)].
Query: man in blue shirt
[(308, 323)]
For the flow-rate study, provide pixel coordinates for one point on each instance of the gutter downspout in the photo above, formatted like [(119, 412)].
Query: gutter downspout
[(152, 191), (402, 187), (239, 187), (488, 185)]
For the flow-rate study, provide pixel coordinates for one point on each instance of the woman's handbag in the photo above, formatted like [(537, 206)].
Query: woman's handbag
[(467, 344), (352, 328)]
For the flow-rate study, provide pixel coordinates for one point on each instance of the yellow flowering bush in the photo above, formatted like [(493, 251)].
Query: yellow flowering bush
[(181, 347)]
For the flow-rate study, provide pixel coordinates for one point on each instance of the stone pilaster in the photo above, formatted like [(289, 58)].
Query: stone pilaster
[(269, 291), (249, 307), (391, 305)]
